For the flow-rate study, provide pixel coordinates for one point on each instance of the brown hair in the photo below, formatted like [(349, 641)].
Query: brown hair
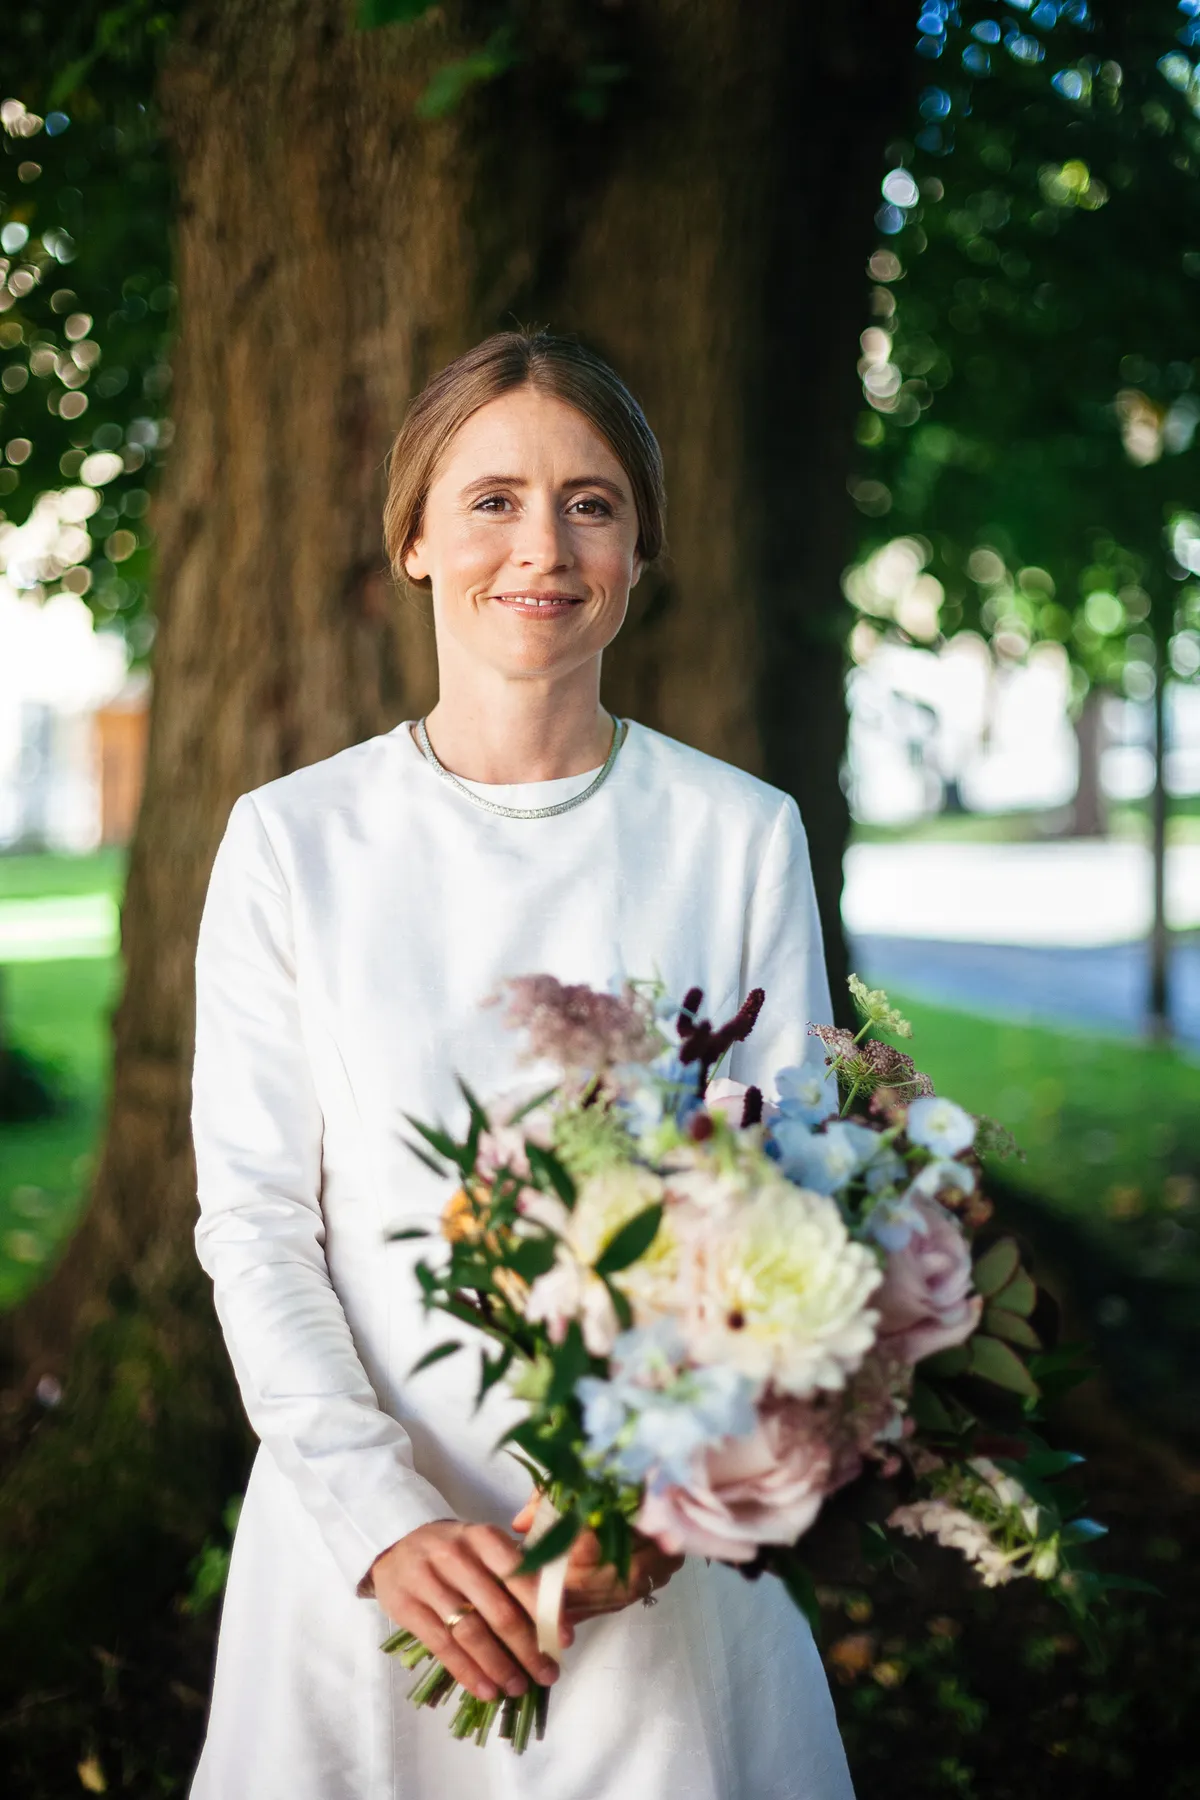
[(514, 359)]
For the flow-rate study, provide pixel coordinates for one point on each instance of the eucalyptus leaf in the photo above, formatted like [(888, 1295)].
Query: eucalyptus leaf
[(409, 1231), (996, 1267), (1010, 1326), (1018, 1295), (995, 1362)]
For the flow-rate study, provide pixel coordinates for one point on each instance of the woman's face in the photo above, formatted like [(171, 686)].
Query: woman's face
[(529, 538)]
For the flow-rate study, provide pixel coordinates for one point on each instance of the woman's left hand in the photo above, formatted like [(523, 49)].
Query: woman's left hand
[(593, 1586)]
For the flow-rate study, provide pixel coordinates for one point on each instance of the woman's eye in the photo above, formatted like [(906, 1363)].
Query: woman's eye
[(491, 503), (591, 507)]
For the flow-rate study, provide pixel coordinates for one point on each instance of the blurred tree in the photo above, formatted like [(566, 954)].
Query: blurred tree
[(1034, 369), (690, 188)]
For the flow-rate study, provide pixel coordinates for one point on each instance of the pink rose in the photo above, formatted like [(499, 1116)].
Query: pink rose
[(925, 1304), (724, 1095), (766, 1488)]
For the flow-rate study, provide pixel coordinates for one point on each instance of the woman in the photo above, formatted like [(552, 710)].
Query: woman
[(359, 911)]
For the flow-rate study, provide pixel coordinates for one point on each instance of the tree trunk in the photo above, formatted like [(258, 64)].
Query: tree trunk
[(1089, 810), (1159, 997)]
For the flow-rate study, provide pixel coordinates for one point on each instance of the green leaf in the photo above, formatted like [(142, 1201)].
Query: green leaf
[(631, 1242), (1083, 1531), (570, 1362), (549, 1173), (1043, 1465), (947, 1362), (531, 1257), (450, 85), (444, 1144), (560, 1537), (928, 1410), (493, 1369), (1008, 1325), (423, 1156), (996, 1267), (995, 1362), (530, 1106), (437, 1354), (1018, 1295), (621, 1304), (410, 1231)]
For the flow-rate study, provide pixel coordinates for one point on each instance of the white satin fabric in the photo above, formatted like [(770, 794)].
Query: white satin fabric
[(358, 912)]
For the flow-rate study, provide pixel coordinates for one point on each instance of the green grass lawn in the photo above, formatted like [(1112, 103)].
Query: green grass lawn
[(1110, 1126), (59, 1012)]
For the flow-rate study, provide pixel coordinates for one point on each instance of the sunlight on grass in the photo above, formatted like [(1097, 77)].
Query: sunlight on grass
[(1110, 1126)]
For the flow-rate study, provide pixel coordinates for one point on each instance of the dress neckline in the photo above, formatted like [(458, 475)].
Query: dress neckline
[(521, 794)]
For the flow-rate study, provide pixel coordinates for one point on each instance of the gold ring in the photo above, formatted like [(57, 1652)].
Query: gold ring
[(457, 1616)]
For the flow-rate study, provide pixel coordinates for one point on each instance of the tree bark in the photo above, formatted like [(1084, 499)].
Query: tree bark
[(334, 249), (1089, 810)]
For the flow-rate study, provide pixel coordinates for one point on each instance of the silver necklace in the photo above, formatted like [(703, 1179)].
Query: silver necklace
[(620, 731)]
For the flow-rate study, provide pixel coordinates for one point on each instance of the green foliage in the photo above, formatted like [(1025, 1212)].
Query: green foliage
[(1034, 365), (455, 80), (87, 315)]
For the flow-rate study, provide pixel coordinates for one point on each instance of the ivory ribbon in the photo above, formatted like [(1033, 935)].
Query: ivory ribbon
[(552, 1582)]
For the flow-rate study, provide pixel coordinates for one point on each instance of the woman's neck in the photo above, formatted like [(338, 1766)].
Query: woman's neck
[(515, 731)]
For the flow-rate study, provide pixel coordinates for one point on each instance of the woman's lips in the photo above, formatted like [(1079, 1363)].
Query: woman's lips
[(538, 606)]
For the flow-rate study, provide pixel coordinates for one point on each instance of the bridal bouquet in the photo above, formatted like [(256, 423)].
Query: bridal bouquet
[(717, 1310)]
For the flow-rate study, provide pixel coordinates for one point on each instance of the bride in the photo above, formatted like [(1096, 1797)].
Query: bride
[(358, 913)]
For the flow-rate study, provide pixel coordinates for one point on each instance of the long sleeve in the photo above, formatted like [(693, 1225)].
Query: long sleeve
[(783, 954), (257, 1126)]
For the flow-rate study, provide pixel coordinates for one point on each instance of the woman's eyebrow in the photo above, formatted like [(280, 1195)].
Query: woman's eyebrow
[(519, 481)]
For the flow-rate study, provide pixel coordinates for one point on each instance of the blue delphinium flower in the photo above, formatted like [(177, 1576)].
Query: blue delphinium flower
[(653, 1416), (807, 1090), (939, 1125), (893, 1221), (824, 1161)]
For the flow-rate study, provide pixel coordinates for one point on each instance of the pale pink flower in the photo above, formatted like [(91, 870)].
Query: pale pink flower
[(724, 1095), (765, 1488), (569, 1290), (580, 1028), (925, 1304), (958, 1530)]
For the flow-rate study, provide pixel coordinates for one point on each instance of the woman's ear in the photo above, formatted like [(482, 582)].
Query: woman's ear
[(414, 562), (638, 566)]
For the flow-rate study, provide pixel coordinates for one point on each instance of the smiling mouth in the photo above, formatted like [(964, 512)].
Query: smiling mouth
[(541, 606)]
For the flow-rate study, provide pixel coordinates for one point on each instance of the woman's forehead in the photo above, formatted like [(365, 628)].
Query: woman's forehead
[(525, 431)]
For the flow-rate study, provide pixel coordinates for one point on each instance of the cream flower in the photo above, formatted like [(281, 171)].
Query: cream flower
[(778, 1289), (571, 1290)]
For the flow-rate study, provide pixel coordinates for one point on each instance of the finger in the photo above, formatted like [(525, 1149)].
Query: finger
[(472, 1635), (429, 1627), (499, 1609), (524, 1519), (501, 1557)]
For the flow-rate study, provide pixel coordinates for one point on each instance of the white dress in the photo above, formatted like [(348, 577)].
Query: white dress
[(358, 913)]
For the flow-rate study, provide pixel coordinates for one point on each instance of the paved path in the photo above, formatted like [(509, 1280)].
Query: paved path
[(1102, 986), (1081, 893)]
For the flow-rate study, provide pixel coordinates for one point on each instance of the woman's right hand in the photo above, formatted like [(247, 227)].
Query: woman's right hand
[(439, 1569)]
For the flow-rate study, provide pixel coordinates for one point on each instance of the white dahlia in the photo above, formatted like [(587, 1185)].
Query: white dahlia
[(604, 1203), (779, 1290)]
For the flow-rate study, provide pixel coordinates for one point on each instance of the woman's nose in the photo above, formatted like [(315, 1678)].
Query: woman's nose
[(543, 541)]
